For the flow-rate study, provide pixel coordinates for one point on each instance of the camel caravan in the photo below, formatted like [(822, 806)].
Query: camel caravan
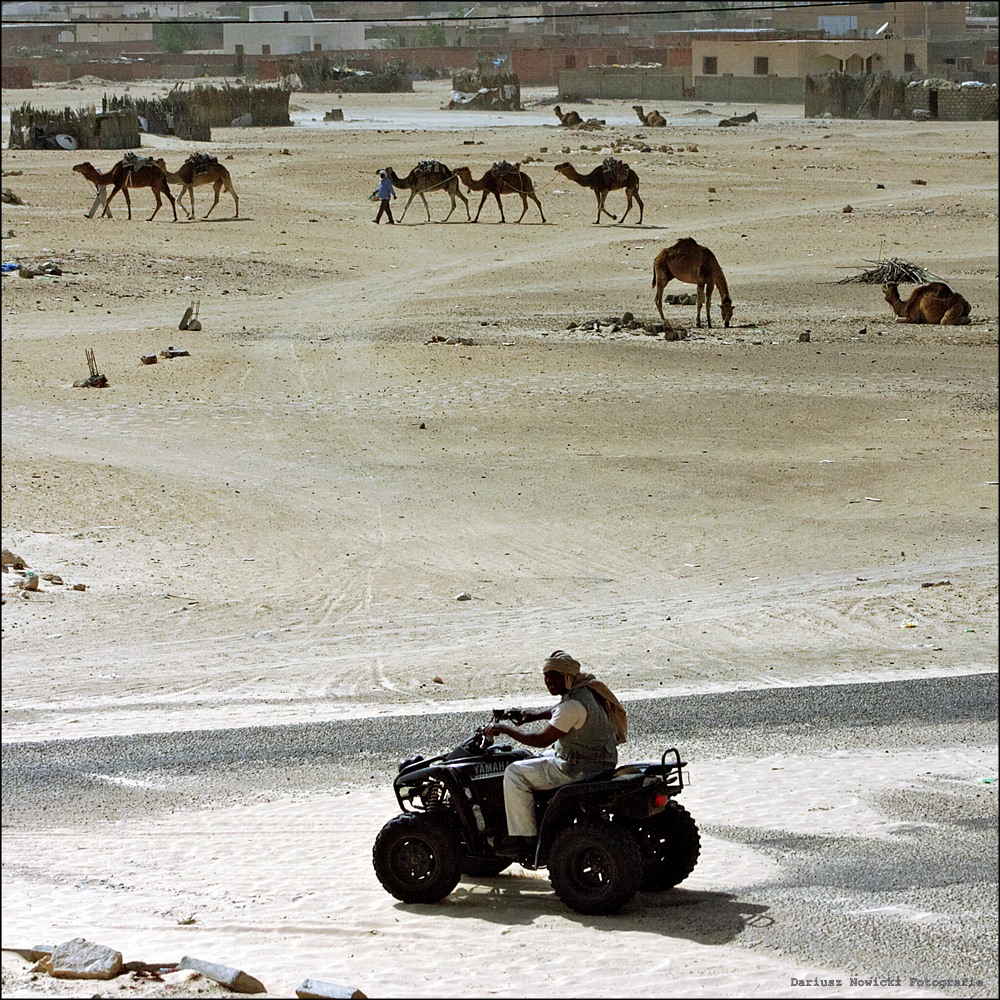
[(133, 171), (931, 302)]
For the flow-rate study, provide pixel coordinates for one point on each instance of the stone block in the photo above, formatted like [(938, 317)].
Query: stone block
[(82, 959), (320, 990), (234, 979)]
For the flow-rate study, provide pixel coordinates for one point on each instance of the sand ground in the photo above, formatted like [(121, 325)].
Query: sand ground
[(275, 528)]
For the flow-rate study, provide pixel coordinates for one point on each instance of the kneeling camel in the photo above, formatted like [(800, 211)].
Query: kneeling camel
[(933, 302)]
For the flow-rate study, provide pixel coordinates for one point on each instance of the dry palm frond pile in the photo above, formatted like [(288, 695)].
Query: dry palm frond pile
[(899, 271)]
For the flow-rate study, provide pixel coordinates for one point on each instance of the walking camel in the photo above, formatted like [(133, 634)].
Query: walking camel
[(130, 174), (688, 261), (604, 179), (933, 302), (429, 175), (653, 119), (199, 169), (501, 178)]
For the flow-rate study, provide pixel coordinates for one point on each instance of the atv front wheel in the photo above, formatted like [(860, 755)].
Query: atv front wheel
[(595, 868), (416, 858), (670, 845)]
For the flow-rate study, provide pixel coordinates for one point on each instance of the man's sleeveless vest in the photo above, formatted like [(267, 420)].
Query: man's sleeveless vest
[(591, 749)]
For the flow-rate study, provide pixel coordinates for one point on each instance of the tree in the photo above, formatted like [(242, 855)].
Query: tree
[(173, 36), (432, 35)]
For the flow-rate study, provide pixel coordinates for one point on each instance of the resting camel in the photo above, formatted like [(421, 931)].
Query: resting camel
[(934, 303), (569, 118), (603, 179), (695, 264), (738, 120), (509, 179), (429, 175), (653, 118), (122, 177), (198, 169)]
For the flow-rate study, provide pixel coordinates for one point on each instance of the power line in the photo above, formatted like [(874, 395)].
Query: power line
[(421, 19)]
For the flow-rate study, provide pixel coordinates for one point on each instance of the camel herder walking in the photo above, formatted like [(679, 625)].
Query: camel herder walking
[(385, 192)]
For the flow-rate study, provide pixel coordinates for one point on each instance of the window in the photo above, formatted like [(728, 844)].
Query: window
[(909, 62), (760, 66), (570, 62), (710, 65), (265, 50)]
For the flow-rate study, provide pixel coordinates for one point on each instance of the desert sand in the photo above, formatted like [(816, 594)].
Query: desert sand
[(776, 542)]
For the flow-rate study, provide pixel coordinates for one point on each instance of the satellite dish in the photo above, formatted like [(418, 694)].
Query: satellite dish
[(66, 142), (882, 29)]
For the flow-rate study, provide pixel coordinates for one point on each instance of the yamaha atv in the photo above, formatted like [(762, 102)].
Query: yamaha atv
[(602, 839)]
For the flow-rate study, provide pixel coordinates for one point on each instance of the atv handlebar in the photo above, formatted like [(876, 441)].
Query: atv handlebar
[(515, 715)]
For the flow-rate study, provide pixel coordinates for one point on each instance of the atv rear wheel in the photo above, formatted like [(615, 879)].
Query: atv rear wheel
[(595, 868), (416, 858), (670, 845)]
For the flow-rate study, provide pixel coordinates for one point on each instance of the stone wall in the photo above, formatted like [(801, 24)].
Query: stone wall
[(953, 104)]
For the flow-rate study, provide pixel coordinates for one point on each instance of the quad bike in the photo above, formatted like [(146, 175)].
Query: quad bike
[(602, 839)]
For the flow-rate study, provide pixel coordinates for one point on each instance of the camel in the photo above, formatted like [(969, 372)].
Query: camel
[(611, 175), (933, 302), (569, 118), (198, 169), (502, 178), (652, 119), (100, 182), (429, 175), (738, 120), (695, 264), (127, 174)]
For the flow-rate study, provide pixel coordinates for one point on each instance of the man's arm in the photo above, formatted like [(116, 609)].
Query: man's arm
[(536, 715), (539, 741)]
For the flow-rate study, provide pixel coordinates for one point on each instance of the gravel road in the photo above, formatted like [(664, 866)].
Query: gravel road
[(923, 907)]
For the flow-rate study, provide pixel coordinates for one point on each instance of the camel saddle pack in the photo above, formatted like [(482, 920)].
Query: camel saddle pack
[(132, 162), (432, 167), (202, 162), (618, 169), (503, 168)]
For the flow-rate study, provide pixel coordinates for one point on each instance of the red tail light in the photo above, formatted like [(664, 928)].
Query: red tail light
[(659, 801)]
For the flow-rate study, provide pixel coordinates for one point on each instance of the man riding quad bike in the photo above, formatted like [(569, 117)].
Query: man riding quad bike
[(603, 836)]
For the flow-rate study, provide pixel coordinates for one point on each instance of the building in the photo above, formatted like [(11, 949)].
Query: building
[(287, 30)]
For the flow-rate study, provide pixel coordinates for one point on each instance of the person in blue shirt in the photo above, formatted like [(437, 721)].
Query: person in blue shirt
[(385, 192)]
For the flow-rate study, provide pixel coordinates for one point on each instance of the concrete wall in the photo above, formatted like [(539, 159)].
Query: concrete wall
[(750, 89), (624, 83)]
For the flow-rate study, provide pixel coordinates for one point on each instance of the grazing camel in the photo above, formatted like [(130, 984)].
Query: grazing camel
[(611, 175), (695, 264), (429, 175), (198, 169), (569, 118), (652, 119), (933, 302), (738, 120), (502, 178), (130, 172)]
